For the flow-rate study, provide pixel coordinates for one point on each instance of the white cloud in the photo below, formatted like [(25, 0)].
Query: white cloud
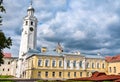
[(67, 21)]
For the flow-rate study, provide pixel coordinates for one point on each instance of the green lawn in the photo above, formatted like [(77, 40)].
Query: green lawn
[(6, 76), (3, 78)]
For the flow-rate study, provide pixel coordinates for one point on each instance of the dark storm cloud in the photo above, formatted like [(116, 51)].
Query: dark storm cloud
[(114, 30)]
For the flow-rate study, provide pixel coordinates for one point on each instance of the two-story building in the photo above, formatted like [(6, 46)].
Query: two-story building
[(9, 66), (57, 64)]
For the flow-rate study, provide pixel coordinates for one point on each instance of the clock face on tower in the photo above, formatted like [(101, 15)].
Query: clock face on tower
[(31, 29)]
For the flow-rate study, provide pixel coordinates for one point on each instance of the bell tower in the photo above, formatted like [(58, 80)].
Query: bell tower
[(28, 39), (29, 32)]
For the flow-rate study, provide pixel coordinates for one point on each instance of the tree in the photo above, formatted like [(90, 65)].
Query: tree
[(4, 41)]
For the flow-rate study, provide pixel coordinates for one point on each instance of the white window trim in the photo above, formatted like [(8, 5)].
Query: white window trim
[(41, 62), (48, 64), (61, 63)]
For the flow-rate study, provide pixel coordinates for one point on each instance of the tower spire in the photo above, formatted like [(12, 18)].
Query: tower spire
[(31, 2)]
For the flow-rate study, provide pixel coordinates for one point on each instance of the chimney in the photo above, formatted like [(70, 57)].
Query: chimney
[(43, 49)]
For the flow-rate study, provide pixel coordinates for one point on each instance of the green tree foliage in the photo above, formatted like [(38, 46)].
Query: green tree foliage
[(2, 9), (4, 41)]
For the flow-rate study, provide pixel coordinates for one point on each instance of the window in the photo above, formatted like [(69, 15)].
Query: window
[(46, 63), (68, 74), (46, 74), (87, 74), (39, 62), (68, 63), (26, 23), (8, 70), (92, 65), (31, 23), (53, 74), (114, 69), (98, 66), (3, 69), (74, 63), (39, 74), (60, 74), (8, 63), (80, 74), (53, 63), (87, 65), (60, 63), (80, 63), (74, 74), (110, 69), (103, 65)]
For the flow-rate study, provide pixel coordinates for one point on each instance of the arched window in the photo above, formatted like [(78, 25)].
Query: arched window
[(39, 62), (60, 63), (46, 74), (39, 74), (26, 22), (68, 74), (114, 69), (53, 63), (74, 63), (103, 65), (87, 65), (68, 63), (8, 62), (60, 74), (110, 69), (98, 65), (46, 63), (80, 64), (93, 66), (53, 74), (31, 23), (74, 74), (80, 74)]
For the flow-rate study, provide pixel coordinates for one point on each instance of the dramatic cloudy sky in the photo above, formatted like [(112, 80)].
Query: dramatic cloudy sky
[(88, 26)]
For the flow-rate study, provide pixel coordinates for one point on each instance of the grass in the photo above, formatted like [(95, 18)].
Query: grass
[(6, 76)]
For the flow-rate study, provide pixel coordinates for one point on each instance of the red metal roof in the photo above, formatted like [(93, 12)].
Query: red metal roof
[(113, 58), (98, 76), (7, 55), (118, 80)]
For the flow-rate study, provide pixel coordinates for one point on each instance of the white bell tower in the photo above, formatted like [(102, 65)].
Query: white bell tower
[(29, 32), (28, 38)]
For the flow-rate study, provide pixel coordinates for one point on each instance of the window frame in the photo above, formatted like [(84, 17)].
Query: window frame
[(53, 63), (46, 74), (60, 74), (39, 73), (46, 63), (53, 74), (68, 63), (80, 64), (114, 69), (40, 62), (74, 64), (60, 63)]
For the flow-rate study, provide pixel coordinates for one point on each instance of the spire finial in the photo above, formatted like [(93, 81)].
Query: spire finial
[(31, 2)]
